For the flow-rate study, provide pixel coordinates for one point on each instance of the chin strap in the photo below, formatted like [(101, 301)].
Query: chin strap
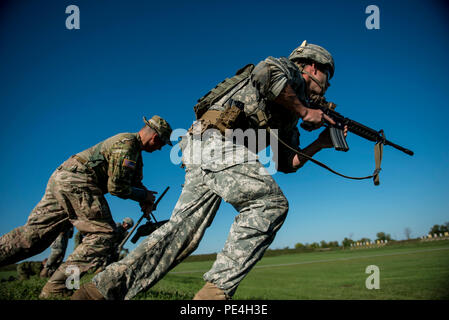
[(319, 83), (315, 79)]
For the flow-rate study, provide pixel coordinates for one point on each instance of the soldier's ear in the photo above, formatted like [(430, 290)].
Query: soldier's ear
[(153, 137)]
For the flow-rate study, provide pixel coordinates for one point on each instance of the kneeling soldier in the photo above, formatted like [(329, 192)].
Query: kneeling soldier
[(75, 195)]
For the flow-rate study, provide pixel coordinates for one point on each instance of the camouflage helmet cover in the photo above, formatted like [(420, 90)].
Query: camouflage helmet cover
[(161, 127), (315, 53), (129, 221)]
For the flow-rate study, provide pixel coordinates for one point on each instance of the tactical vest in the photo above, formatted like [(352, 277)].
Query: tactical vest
[(233, 116), (224, 87)]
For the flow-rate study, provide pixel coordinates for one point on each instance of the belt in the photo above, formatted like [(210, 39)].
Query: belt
[(230, 118)]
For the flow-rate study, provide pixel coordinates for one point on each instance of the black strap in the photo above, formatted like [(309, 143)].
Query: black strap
[(375, 175)]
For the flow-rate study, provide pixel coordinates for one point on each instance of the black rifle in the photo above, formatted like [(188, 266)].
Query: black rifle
[(119, 249), (336, 131), (147, 229)]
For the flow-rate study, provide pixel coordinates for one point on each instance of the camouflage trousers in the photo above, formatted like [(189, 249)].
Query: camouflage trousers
[(71, 197), (55, 259), (58, 249), (262, 210)]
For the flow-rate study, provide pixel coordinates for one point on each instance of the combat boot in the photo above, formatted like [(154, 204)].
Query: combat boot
[(87, 291), (211, 292), (55, 287)]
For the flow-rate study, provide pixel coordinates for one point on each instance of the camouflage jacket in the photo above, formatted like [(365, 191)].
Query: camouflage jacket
[(78, 239), (265, 83), (117, 162), (121, 233)]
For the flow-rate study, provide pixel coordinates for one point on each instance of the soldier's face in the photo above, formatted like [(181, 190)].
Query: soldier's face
[(155, 143), (321, 75), (315, 88)]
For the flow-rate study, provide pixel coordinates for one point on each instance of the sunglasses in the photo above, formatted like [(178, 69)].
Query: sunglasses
[(326, 71)]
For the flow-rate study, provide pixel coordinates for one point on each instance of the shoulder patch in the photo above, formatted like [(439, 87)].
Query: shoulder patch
[(129, 163)]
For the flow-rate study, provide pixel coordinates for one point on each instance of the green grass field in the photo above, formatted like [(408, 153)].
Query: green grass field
[(409, 271)]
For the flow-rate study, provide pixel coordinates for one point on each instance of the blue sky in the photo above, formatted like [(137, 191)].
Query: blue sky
[(65, 90)]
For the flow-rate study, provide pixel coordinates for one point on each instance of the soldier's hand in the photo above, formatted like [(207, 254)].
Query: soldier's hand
[(317, 118), (150, 196), (147, 215), (147, 208)]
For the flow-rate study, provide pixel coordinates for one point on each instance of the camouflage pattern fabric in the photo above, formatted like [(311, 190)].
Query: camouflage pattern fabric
[(75, 195), (117, 163), (58, 249), (121, 234), (262, 209), (315, 53), (161, 127), (71, 197), (78, 239), (219, 169), (266, 82)]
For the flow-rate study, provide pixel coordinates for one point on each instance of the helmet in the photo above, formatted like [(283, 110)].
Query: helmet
[(129, 221), (315, 53)]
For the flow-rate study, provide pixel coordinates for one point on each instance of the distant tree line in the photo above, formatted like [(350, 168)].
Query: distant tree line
[(345, 243), (382, 236), (315, 245), (439, 228)]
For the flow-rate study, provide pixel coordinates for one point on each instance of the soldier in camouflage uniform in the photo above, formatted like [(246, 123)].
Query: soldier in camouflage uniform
[(280, 88), (29, 268), (75, 195), (121, 231), (58, 249)]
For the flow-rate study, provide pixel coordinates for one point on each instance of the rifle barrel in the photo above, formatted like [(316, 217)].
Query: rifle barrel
[(359, 129), (373, 135), (394, 145)]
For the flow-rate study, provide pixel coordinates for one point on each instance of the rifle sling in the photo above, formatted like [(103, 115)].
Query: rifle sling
[(378, 150)]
